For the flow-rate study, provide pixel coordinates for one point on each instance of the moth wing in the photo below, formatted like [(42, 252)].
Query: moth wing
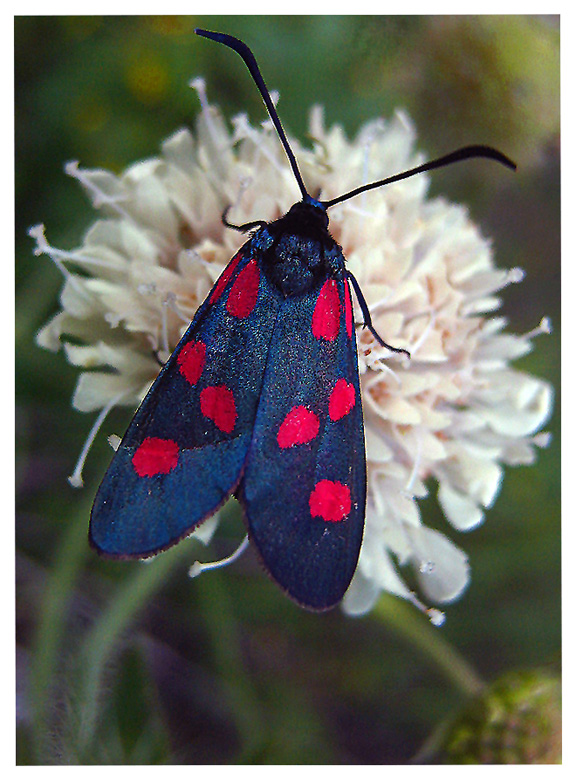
[(184, 451), (304, 484)]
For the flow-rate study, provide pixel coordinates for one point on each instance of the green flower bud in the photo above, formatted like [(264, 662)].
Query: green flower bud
[(516, 720)]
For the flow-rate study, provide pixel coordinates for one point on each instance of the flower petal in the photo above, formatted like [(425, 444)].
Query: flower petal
[(460, 510), (441, 568)]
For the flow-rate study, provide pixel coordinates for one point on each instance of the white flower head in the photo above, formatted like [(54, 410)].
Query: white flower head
[(453, 415)]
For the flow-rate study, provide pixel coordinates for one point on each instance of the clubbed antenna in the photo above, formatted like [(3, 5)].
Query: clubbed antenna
[(466, 153), (249, 59)]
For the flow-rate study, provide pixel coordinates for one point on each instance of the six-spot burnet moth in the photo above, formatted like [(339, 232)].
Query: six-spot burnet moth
[(260, 400)]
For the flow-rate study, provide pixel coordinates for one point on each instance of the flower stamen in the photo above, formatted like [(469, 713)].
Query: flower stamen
[(245, 131), (199, 85), (542, 439), (99, 197), (514, 276), (387, 370), (58, 256), (44, 248), (436, 616), (168, 302), (75, 479), (424, 335), (408, 490), (543, 327), (198, 567)]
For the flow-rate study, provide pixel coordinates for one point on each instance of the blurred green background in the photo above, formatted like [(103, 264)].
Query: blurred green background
[(124, 663)]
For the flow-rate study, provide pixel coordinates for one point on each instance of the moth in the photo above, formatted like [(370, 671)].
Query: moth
[(260, 400)]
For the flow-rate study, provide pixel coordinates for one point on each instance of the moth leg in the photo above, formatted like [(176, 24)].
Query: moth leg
[(241, 228), (157, 358), (368, 318)]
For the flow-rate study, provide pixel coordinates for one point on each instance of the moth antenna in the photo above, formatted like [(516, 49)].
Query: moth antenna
[(465, 153), (250, 61)]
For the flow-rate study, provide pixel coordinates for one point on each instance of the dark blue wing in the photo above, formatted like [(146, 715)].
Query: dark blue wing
[(304, 483), (184, 451)]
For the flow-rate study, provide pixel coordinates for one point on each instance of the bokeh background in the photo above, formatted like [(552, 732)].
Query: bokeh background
[(122, 663)]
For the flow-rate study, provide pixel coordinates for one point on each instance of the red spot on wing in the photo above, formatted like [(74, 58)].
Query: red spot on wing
[(155, 456), (342, 400), (300, 426), (191, 361), (326, 316), (348, 314), (225, 278), (244, 292), (330, 501), (217, 404)]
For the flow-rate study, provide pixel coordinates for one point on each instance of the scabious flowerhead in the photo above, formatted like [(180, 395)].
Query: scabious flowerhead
[(452, 416)]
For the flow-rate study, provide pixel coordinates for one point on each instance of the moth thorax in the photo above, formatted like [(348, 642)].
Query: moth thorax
[(309, 216), (297, 263)]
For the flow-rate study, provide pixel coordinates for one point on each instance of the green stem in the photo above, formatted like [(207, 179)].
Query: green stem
[(47, 649), (428, 640), (105, 634), (223, 629)]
